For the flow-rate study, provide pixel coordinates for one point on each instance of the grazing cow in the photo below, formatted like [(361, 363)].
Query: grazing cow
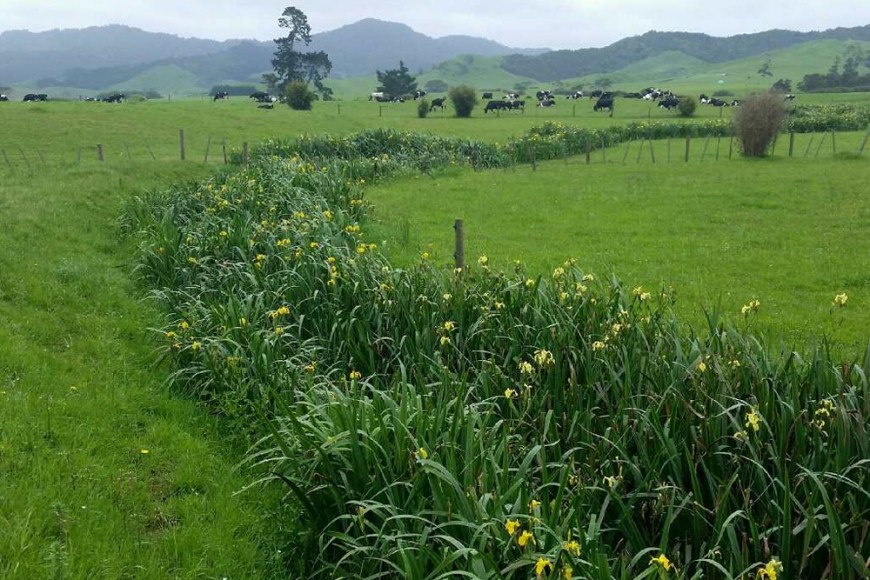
[(440, 103), (718, 103), (669, 102), (512, 96), (548, 102), (605, 101), (495, 106), (380, 97), (261, 97), (3, 98), (487, 95), (704, 99), (419, 94), (544, 95), (221, 95), (32, 98), (789, 97), (735, 103), (399, 100), (576, 95), (517, 104), (115, 98)]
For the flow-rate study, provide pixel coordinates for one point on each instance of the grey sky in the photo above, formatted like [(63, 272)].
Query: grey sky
[(517, 23)]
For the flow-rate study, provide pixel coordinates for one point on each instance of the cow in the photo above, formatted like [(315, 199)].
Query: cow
[(789, 97), (718, 102), (32, 98), (3, 98), (596, 94), (440, 103), (495, 106), (704, 99), (115, 98), (576, 95), (669, 102), (512, 96), (605, 101), (735, 103), (543, 95), (548, 102), (221, 95), (419, 94), (517, 104), (380, 97), (261, 97), (487, 95)]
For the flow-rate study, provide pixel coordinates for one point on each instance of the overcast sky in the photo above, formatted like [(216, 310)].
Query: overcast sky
[(516, 23)]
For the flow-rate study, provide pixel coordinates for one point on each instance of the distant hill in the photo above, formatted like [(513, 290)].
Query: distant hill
[(562, 64), (370, 45), (99, 57)]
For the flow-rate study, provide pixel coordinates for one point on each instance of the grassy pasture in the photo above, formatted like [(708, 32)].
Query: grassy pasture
[(71, 319)]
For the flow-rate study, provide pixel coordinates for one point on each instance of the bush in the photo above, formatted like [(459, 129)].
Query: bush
[(757, 122), (463, 98), (422, 108), (298, 96), (687, 106), (436, 86)]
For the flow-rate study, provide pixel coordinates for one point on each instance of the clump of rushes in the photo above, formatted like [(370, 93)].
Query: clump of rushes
[(627, 447)]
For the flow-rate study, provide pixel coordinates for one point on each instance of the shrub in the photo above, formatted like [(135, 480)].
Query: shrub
[(298, 96), (463, 98), (422, 108), (757, 122), (436, 86), (687, 106)]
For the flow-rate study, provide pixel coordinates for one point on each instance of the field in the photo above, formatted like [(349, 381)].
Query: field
[(105, 472)]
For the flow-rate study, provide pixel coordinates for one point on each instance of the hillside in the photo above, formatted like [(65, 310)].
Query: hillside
[(563, 64)]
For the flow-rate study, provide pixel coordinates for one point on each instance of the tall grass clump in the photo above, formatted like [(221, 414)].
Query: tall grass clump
[(433, 422), (758, 120)]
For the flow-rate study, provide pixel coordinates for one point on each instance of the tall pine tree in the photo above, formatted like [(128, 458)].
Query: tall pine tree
[(397, 82), (293, 65)]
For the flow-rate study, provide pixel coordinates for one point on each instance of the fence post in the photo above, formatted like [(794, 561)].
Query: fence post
[(224, 149), (688, 144), (718, 144), (822, 142), (834, 141), (245, 154), (810, 144), (627, 149), (339, 108), (704, 150), (574, 110), (791, 144), (459, 247), (669, 149), (864, 144), (652, 153), (603, 150), (100, 151), (181, 143), (207, 147), (380, 110), (588, 152), (730, 146), (640, 151)]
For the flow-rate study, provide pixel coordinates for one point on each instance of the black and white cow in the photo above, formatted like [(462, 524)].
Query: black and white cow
[(440, 103), (115, 98), (32, 98), (419, 94), (516, 105), (221, 95), (261, 97), (512, 96), (718, 102), (576, 95), (487, 95), (669, 102), (735, 103), (544, 95), (704, 99), (789, 97), (3, 98), (605, 101), (495, 106), (379, 97), (547, 102)]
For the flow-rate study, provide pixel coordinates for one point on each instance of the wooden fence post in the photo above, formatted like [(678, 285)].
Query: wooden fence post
[(224, 149), (791, 144), (834, 141), (640, 151), (245, 154), (588, 152), (669, 149), (181, 143), (688, 145), (459, 247), (652, 152), (207, 147), (100, 151), (730, 146), (603, 150)]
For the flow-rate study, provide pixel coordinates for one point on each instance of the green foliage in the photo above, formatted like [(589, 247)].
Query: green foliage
[(464, 98), (436, 86), (415, 414), (397, 82), (824, 118), (289, 63), (687, 106), (298, 96), (781, 86), (422, 108), (757, 123)]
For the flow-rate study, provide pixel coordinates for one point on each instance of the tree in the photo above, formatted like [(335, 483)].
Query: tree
[(436, 86), (764, 70), (289, 63), (781, 86), (299, 96), (463, 98), (397, 82)]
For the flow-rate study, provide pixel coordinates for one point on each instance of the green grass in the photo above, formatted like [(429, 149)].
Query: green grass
[(103, 474), (785, 231)]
